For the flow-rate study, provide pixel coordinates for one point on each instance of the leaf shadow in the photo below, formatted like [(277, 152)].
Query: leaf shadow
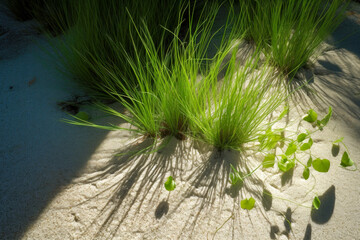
[(162, 209), (133, 175), (326, 209), (286, 177), (308, 231)]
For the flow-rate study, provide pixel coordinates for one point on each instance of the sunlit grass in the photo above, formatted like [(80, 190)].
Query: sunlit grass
[(290, 32)]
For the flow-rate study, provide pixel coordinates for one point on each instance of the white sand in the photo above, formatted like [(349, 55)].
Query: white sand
[(59, 181)]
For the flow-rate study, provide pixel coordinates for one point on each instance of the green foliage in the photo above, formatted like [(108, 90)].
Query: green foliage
[(306, 173), (290, 32), (248, 204), (321, 165), (291, 149), (270, 139), (307, 146), (346, 161), (316, 203), (301, 137), (55, 16), (285, 164), (311, 116), (235, 176), (170, 184), (97, 49)]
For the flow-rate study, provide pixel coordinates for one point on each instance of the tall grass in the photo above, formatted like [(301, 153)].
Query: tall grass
[(53, 15), (158, 96), (104, 27), (181, 95), (236, 108), (290, 32)]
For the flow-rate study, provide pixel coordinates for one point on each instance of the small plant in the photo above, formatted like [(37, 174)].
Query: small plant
[(170, 184), (248, 204), (292, 149)]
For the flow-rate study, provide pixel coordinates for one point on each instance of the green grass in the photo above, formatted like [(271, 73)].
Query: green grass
[(290, 32), (104, 31), (160, 93), (180, 94), (237, 108), (53, 15)]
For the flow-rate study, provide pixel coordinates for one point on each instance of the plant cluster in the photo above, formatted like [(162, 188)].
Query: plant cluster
[(179, 93), (292, 149), (54, 15), (161, 73), (290, 32)]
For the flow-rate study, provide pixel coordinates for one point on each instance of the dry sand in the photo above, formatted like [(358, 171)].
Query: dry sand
[(59, 181)]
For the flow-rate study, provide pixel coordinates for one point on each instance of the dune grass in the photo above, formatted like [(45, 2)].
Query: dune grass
[(159, 92), (53, 15), (290, 32), (237, 107), (104, 27), (180, 94)]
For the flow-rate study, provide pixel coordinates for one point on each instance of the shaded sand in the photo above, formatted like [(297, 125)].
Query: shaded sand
[(59, 181)]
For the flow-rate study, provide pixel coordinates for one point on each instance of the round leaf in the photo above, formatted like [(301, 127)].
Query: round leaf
[(321, 165), (248, 203), (346, 161), (170, 184), (311, 116)]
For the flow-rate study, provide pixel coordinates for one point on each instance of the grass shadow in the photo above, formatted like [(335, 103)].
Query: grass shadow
[(135, 177)]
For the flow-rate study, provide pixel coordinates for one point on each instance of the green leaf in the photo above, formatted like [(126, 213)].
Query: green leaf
[(327, 117), (321, 165), (307, 145), (269, 161), (170, 184), (248, 203), (316, 202), (319, 125), (301, 137), (309, 162), (311, 116), (285, 164), (335, 149), (83, 116), (291, 149), (339, 140), (346, 161), (306, 173)]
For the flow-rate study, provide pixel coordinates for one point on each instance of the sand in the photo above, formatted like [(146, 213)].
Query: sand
[(59, 181)]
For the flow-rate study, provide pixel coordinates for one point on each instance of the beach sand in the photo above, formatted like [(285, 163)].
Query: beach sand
[(59, 181)]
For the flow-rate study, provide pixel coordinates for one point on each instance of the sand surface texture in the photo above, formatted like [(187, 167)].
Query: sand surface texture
[(59, 181)]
